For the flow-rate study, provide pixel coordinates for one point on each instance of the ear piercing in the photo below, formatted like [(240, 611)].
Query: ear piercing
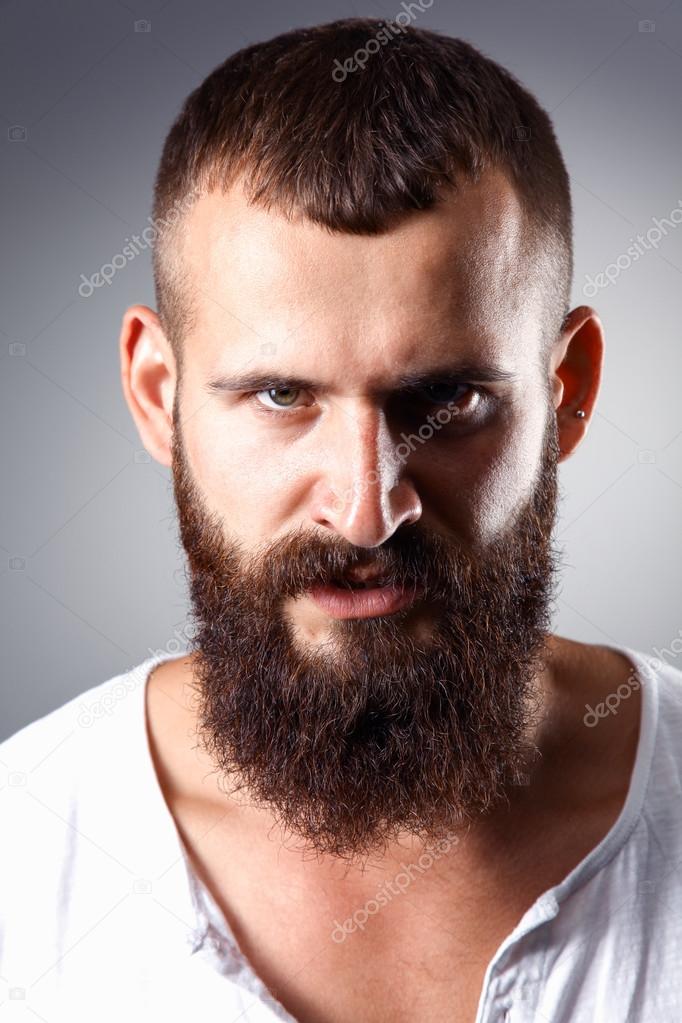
[(580, 414)]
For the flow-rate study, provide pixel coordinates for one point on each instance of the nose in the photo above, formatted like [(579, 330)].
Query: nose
[(363, 492)]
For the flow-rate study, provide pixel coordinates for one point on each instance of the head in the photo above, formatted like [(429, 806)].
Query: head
[(363, 359)]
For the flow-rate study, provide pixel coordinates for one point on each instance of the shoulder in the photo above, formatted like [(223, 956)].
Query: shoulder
[(604, 677), (81, 815), (663, 680), (659, 766), (52, 770), (84, 829), (627, 713), (71, 722), (642, 690)]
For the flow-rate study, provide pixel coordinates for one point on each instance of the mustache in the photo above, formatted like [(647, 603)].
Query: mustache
[(411, 557)]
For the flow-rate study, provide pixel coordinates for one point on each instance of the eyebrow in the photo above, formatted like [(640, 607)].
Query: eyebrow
[(458, 372)]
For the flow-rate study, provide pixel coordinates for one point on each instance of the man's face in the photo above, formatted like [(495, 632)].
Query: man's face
[(352, 724)]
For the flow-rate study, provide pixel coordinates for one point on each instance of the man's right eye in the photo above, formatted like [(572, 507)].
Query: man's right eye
[(288, 394)]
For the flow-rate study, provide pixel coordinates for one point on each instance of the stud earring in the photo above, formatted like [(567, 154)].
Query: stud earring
[(580, 414)]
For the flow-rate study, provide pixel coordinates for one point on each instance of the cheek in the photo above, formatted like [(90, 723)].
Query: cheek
[(242, 477), (506, 486), (478, 491)]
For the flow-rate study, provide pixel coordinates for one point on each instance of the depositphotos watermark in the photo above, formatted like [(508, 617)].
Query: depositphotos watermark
[(134, 246), (104, 706), (384, 35), (653, 236), (387, 889), (128, 683), (178, 643), (408, 443), (612, 702)]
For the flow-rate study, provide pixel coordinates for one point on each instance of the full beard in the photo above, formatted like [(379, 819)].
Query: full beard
[(374, 735)]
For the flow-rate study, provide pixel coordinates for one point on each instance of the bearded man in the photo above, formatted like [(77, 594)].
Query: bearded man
[(371, 788)]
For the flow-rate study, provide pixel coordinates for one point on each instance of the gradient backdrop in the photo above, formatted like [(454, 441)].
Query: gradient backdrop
[(91, 573)]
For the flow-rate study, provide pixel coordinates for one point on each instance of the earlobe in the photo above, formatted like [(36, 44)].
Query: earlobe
[(148, 376), (576, 376)]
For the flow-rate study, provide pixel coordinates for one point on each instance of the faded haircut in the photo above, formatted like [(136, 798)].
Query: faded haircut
[(417, 114)]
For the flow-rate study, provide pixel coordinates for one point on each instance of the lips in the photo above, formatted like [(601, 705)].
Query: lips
[(348, 600)]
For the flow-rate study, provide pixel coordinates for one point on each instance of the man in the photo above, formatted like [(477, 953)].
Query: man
[(376, 786)]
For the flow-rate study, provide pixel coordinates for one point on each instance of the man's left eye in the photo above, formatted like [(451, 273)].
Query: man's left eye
[(443, 393)]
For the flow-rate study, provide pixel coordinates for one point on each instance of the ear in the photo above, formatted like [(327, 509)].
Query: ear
[(575, 375), (148, 375)]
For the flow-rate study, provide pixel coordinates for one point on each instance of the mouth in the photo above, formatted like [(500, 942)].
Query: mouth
[(364, 584), (368, 598)]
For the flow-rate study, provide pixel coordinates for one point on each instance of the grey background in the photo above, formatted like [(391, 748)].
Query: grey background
[(91, 572)]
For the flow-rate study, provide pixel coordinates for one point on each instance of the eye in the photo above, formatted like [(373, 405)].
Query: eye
[(287, 396), (463, 402), (442, 393)]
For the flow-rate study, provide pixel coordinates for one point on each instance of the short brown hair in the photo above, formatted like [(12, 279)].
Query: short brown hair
[(352, 152)]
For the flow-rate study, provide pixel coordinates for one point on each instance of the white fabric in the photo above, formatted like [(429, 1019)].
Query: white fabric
[(101, 917)]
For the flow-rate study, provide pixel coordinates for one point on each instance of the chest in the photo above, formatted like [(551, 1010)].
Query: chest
[(419, 955), (413, 961), (430, 976)]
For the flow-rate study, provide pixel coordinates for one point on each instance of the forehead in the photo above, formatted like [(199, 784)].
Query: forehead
[(456, 270)]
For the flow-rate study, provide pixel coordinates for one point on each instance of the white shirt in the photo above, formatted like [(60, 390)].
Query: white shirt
[(102, 918)]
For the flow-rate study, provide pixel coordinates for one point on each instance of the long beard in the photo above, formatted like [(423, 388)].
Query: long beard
[(375, 734)]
